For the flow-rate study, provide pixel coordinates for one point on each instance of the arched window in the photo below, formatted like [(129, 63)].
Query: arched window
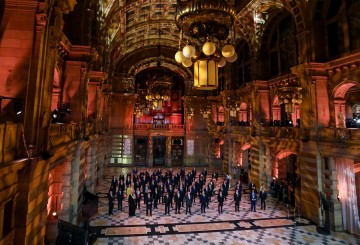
[(278, 51), (335, 32), (353, 10), (243, 70), (282, 49), (342, 20)]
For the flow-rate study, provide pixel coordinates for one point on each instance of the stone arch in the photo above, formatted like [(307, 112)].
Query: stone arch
[(243, 112), (342, 88), (285, 164), (344, 109), (243, 156)]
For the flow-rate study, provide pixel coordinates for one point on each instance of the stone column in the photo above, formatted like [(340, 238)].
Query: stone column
[(335, 205), (168, 151), (262, 166), (150, 151), (93, 167), (303, 40), (30, 205), (74, 188), (2, 207), (64, 213), (38, 98), (268, 167)]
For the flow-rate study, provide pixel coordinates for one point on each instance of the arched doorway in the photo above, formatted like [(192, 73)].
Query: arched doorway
[(243, 161), (284, 167)]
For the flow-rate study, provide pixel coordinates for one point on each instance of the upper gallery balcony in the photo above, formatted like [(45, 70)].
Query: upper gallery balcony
[(340, 135), (158, 127)]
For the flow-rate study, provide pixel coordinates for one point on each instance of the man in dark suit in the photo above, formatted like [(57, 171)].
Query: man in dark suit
[(120, 198), (137, 198), (263, 199), (253, 199), (111, 201), (237, 199), (149, 201), (188, 202), (203, 202), (177, 198), (167, 201), (156, 198), (114, 185), (220, 201)]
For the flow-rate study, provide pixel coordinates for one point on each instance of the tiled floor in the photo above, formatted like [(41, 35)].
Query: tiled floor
[(275, 225)]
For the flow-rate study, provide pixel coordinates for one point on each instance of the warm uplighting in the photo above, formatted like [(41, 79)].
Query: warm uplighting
[(210, 24), (54, 214)]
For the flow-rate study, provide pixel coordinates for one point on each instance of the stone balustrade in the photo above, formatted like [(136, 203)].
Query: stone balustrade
[(348, 135), (11, 143), (63, 133), (150, 126)]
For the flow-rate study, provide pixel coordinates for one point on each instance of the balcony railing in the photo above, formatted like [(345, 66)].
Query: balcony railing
[(245, 130), (63, 133), (150, 126), (11, 144), (348, 135)]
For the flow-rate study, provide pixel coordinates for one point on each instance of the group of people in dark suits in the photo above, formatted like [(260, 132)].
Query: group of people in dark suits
[(168, 187)]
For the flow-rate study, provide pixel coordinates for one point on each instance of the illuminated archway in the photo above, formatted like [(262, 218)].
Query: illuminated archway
[(284, 165)]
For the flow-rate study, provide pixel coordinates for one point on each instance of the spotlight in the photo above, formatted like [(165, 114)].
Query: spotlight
[(18, 107)]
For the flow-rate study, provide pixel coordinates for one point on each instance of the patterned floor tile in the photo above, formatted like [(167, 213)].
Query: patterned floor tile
[(275, 225)]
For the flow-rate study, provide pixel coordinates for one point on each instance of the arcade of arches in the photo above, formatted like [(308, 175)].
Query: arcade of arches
[(77, 75)]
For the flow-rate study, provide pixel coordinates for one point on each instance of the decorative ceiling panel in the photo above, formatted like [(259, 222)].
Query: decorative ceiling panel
[(140, 24)]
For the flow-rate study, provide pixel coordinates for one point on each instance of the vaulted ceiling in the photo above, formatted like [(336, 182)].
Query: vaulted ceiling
[(140, 30)]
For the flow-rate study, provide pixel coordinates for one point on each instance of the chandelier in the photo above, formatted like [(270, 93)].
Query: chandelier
[(158, 91), (290, 94), (208, 23)]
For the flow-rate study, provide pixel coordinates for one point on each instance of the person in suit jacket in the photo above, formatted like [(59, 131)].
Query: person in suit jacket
[(167, 201), (149, 201), (220, 201), (114, 185), (237, 199), (253, 199), (156, 198), (188, 202), (177, 198), (137, 198), (120, 198), (263, 199), (203, 202), (111, 201)]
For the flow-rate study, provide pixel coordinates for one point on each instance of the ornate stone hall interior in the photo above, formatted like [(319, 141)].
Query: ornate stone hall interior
[(265, 93)]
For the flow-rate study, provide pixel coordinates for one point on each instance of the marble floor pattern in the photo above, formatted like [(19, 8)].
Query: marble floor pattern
[(278, 224)]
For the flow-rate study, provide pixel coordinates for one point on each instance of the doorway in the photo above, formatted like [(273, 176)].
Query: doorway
[(159, 150), (140, 149)]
